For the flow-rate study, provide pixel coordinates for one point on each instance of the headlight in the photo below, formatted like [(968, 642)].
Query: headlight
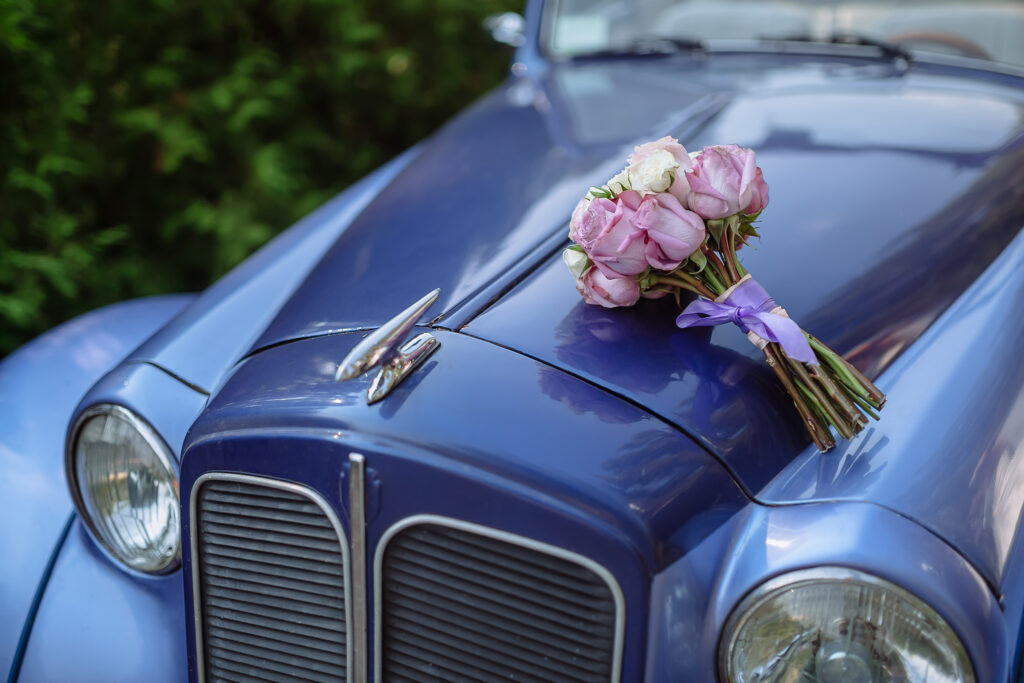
[(122, 479), (836, 625)]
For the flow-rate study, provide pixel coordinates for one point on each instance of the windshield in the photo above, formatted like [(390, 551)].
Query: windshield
[(981, 30)]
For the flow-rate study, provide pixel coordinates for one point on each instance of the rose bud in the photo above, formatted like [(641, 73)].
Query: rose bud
[(722, 180), (673, 233), (608, 292), (608, 236)]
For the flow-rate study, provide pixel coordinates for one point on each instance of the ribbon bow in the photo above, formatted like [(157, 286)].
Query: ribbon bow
[(748, 306)]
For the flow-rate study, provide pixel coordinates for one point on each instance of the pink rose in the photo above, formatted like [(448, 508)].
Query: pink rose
[(640, 157), (722, 182), (759, 195), (673, 233), (667, 143), (577, 215), (608, 292), (609, 237)]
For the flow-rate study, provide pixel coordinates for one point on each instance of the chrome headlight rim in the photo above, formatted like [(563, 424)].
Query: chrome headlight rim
[(746, 608), (159, 448)]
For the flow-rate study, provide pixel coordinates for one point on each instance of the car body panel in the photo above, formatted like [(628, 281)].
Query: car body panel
[(713, 386), (943, 152), (668, 457), (949, 449), (215, 332), (96, 623), (692, 600), (592, 475), (40, 385), (465, 409)]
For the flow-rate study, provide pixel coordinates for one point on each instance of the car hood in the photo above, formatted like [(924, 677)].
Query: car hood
[(891, 191)]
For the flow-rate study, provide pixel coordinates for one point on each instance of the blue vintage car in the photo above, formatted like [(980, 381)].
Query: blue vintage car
[(319, 469)]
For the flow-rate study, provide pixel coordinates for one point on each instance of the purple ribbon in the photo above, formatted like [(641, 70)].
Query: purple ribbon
[(750, 307)]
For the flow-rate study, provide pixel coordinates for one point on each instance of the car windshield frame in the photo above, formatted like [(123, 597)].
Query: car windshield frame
[(832, 40)]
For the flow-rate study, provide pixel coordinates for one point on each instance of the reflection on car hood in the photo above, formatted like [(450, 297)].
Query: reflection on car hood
[(890, 193)]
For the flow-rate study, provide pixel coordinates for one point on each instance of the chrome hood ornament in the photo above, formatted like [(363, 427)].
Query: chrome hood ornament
[(384, 347)]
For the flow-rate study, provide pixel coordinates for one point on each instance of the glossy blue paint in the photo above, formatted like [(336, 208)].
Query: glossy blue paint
[(949, 449), (214, 333), (886, 197), (40, 384), (96, 623), (584, 450), (691, 600), (33, 610), (885, 276), (609, 433), (167, 404)]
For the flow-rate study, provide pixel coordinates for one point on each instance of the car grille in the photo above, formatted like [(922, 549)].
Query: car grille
[(270, 576), (461, 605)]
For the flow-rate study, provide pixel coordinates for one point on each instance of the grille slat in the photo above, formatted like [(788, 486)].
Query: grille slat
[(274, 565), (472, 576), (269, 548), (463, 605), (249, 674), (270, 572), (314, 624), (412, 585), (268, 666), (550, 645), (265, 647), (293, 637), (246, 600), (303, 518), (249, 591), (480, 648), (551, 567), (508, 570), (285, 540), (272, 580)]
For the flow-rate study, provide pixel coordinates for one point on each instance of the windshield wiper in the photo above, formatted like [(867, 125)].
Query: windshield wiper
[(650, 46), (888, 50)]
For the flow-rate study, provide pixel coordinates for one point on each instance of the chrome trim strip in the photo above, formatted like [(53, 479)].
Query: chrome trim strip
[(357, 517), (291, 487), (555, 551), (154, 440)]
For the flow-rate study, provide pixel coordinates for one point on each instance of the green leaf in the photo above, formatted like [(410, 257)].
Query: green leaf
[(696, 262)]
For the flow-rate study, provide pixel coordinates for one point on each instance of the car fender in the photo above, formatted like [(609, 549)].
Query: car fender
[(692, 600), (40, 386)]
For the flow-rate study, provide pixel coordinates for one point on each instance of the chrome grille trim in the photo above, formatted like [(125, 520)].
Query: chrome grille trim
[(497, 534), (296, 489)]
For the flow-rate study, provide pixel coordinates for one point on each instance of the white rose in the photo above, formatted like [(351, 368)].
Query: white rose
[(654, 173), (620, 183)]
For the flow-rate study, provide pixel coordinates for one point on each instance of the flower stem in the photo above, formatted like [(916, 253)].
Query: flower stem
[(729, 253), (680, 279), (819, 432), (861, 403), (711, 279), (724, 276), (847, 373), (838, 395), (826, 406)]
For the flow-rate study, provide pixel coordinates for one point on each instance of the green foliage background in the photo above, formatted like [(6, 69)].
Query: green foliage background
[(147, 146)]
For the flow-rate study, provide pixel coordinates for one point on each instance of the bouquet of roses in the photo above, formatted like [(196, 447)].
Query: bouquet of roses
[(672, 222)]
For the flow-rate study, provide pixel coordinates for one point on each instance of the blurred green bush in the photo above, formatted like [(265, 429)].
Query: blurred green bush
[(147, 146)]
